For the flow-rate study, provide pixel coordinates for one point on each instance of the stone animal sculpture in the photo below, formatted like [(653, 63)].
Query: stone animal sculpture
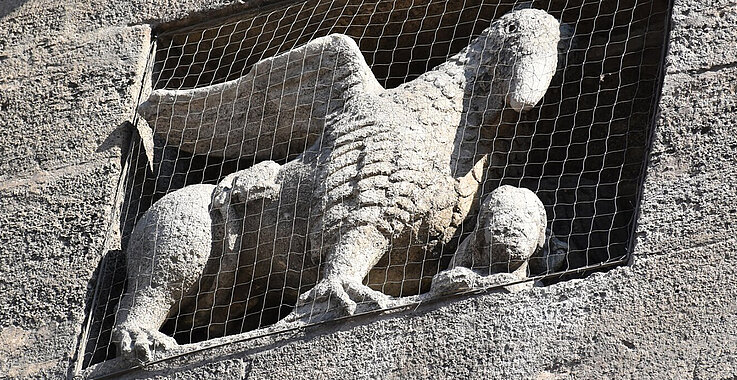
[(389, 175)]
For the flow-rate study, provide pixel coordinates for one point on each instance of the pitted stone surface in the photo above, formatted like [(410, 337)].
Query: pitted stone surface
[(670, 315)]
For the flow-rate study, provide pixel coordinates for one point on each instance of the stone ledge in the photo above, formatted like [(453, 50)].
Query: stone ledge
[(618, 324)]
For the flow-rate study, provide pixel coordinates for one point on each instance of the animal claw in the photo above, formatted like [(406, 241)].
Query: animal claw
[(365, 295), (343, 296), (139, 344), (329, 292)]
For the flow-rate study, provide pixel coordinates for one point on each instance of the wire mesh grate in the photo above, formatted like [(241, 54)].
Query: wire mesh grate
[(582, 149)]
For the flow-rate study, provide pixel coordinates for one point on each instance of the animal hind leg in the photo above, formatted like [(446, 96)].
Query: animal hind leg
[(347, 263), (167, 253)]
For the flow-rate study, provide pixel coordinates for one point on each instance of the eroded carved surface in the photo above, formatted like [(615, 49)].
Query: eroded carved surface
[(352, 223), (509, 231)]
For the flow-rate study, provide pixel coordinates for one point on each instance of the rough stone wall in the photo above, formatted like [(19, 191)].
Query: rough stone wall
[(68, 73)]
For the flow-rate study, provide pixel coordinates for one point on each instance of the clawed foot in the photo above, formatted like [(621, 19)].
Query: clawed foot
[(343, 296), (139, 344), (256, 182), (460, 279)]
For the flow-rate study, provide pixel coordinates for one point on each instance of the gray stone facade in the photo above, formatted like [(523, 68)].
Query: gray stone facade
[(69, 79)]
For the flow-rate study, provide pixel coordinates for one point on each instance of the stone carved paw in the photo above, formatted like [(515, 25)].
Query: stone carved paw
[(257, 182), (139, 344), (455, 280), (239, 188), (221, 196), (342, 296), (460, 279)]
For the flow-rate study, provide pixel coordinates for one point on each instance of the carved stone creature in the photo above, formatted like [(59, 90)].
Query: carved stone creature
[(510, 229), (389, 175)]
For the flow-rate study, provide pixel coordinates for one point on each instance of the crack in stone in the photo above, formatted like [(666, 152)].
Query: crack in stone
[(707, 69)]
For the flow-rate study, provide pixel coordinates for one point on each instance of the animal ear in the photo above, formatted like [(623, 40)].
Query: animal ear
[(523, 5), (275, 110)]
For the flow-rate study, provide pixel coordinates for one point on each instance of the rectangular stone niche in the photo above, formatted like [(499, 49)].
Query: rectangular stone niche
[(582, 150)]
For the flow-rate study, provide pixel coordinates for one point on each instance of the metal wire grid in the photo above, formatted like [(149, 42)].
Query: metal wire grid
[(582, 150)]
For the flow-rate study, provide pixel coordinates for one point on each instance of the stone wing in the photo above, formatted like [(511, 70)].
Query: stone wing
[(278, 108)]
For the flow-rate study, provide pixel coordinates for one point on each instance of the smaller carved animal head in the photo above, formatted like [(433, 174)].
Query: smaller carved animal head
[(517, 57)]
